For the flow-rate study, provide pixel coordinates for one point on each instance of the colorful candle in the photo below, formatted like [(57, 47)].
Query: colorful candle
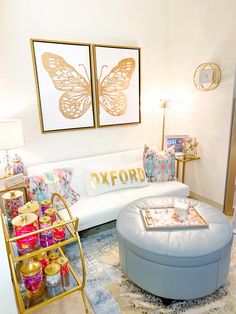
[(63, 262), (46, 237), (22, 225), (45, 205), (12, 201), (59, 233), (43, 259), (31, 273), (51, 212), (53, 275)]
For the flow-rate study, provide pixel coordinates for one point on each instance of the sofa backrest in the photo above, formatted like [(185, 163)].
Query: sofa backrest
[(97, 161)]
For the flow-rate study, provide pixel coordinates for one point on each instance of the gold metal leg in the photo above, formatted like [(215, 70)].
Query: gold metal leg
[(84, 300), (183, 172), (177, 169)]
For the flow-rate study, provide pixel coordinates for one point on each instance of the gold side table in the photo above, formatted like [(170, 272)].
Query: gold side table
[(183, 161)]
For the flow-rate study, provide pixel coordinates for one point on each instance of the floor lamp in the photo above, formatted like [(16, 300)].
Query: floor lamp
[(164, 105)]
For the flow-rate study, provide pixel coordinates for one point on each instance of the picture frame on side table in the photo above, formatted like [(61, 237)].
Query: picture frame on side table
[(118, 91), (177, 141), (63, 75)]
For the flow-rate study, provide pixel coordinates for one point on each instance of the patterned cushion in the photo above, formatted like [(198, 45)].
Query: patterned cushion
[(158, 166), (42, 187)]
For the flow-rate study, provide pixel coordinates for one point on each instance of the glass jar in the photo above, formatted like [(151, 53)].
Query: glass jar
[(22, 225), (31, 273), (18, 165), (30, 207), (51, 212), (12, 201), (53, 275), (59, 233), (46, 237), (63, 262), (45, 205), (43, 259)]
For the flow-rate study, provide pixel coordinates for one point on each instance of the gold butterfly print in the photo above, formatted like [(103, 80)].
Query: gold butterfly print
[(76, 97), (110, 89)]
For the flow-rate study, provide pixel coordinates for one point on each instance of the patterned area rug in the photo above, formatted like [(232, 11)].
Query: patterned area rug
[(109, 291)]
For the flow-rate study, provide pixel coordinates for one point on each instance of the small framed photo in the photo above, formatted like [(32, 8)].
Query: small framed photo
[(63, 74), (177, 141), (117, 77)]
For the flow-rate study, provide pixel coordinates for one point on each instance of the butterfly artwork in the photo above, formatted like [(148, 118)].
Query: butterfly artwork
[(70, 93), (118, 89), (76, 98)]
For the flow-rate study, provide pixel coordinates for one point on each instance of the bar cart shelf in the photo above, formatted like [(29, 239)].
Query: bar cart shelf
[(69, 283)]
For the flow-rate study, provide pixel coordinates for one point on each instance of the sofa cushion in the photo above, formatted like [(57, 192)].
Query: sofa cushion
[(93, 211), (41, 187), (158, 166), (102, 180)]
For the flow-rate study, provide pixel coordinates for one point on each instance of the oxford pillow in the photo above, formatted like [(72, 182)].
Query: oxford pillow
[(102, 180)]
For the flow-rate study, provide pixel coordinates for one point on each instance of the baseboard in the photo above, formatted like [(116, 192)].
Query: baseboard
[(206, 200)]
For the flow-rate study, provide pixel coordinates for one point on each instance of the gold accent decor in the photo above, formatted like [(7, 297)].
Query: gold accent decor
[(11, 195), (31, 267), (215, 80), (44, 219), (24, 220), (52, 269), (164, 106), (183, 161), (77, 284)]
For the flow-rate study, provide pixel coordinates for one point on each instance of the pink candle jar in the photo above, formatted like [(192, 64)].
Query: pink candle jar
[(43, 259), (63, 262), (46, 237), (59, 233), (11, 202), (31, 273), (22, 225), (51, 212), (45, 205)]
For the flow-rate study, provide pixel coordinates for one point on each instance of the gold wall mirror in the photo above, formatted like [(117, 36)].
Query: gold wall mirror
[(207, 76)]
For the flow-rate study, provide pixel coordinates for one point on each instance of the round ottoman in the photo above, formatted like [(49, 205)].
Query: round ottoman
[(175, 263)]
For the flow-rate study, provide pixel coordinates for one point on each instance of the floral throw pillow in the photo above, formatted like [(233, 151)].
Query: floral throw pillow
[(158, 166), (42, 187)]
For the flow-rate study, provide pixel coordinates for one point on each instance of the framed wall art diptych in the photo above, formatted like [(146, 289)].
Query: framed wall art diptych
[(63, 73), (117, 80)]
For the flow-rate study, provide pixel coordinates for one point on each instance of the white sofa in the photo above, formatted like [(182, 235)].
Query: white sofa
[(99, 209)]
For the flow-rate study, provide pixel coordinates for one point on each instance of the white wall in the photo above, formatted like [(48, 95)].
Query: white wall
[(203, 31), (141, 23), (175, 39)]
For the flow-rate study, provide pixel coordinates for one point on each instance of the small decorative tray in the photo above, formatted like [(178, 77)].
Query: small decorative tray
[(166, 218)]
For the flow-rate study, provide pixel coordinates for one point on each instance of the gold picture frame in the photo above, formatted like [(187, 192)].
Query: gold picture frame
[(118, 91), (63, 75)]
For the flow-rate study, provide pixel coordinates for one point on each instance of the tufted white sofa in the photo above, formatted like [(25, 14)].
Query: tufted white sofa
[(99, 209)]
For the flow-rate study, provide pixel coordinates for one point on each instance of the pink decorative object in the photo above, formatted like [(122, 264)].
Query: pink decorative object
[(59, 233), (22, 225), (31, 273), (12, 201), (46, 237), (18, 165), (45, 204), (51, 212)]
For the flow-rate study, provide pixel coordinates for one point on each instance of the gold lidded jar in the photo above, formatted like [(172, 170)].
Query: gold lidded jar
[(23, 224), (63, 262), (45, 204), (46, 237), (53, 256), (31, 273), (51, 212), (30, 207), (12, 201), (53, 274), (59, 233), (43, 259)]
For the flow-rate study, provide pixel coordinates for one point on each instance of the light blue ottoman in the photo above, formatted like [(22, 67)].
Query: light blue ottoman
[(176, 264)]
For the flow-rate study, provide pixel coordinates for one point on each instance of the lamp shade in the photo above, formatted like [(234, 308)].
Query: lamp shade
[(11, 134)]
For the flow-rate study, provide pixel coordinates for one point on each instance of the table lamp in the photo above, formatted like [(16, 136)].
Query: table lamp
[(11, 136)]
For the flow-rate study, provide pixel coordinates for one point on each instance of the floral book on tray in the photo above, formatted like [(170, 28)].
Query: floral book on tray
[(169, 218)]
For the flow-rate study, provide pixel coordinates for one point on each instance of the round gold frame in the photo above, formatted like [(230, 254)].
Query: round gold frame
[(215, 77)]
